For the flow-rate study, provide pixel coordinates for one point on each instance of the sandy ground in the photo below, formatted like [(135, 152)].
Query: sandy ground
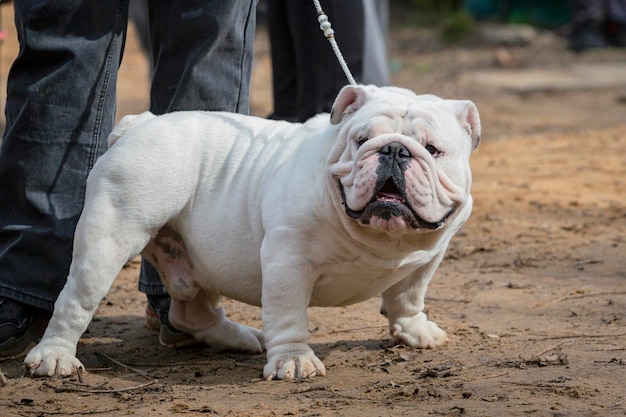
[(532, 292)]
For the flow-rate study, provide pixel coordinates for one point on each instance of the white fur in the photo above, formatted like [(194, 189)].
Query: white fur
[(258, 206)]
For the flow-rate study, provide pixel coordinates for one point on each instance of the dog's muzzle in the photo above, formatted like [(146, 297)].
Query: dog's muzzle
[(389, 196)]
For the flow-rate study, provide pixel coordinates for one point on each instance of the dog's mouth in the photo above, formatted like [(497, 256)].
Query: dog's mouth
[(387, 202)]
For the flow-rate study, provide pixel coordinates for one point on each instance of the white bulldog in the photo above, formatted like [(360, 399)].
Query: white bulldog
[(280, 215)]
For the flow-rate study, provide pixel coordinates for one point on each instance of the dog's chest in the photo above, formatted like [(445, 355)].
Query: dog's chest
[(351, 282)]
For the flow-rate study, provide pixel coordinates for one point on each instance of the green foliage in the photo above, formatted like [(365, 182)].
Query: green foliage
[(433, 6), (449, 15), (456, 25)]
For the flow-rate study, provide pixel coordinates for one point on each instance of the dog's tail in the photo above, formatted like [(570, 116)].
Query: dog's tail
[(126, 124)]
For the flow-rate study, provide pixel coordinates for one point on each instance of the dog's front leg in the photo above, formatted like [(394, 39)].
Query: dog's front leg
[(403, 305), (287, 285)]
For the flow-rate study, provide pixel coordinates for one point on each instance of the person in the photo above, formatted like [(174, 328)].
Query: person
[(306, 75), (376, 28), (61, 97), (138, 13), (596, 24)]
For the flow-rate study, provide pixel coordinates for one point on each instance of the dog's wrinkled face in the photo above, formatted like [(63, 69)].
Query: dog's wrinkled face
[(402, 161)]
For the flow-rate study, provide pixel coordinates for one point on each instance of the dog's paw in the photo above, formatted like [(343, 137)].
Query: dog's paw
[(44, 361), (295, 361), (418, 332)]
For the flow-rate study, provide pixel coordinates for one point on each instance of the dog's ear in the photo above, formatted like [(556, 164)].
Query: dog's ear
[(467, 115), (349, 100)]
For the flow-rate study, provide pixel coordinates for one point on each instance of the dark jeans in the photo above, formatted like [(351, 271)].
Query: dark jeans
[(61, 108), (306, 73)]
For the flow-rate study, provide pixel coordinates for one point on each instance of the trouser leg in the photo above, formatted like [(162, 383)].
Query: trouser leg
[(60, 109), (283, 57), (318, 75)]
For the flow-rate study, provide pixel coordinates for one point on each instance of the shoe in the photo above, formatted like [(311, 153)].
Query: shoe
[(157, 311), (21, 327)]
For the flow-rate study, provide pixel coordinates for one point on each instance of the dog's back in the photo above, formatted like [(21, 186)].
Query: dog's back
[(126, 124)]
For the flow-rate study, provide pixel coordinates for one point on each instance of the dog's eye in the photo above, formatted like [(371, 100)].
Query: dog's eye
[(433, 151), (360, 142)]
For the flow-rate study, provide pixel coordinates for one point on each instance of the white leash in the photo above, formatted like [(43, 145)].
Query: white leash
[(329, 33)]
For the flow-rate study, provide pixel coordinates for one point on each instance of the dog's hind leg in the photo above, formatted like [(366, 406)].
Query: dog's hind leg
[(207, 322), (134, 189), (195, 310), (99, 254), (117, 222)]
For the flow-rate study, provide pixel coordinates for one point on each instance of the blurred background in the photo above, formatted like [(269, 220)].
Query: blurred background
[(503, 54)]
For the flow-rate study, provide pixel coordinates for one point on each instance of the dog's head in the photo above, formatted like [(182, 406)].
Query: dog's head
[(401, 161)]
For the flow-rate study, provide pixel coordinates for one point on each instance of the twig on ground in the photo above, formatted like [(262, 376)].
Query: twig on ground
[(178, 365), (611, 350), (356, 329), (82, 385), (69, 413), (558, 345), (100, 391), (171, 364), (255, 366), (347, 352), (583, 336), (107, 369), (591, 294), (316, 387), (492, 376), (123, 365), (3, 379), (538, 384)]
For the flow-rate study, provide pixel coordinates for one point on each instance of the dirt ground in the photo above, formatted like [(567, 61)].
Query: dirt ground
[(532, 292)]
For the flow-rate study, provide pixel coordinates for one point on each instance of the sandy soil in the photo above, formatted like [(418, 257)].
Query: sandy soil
[(532, 292)]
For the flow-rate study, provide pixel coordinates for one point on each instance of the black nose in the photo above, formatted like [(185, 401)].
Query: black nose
[(395, 150)]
